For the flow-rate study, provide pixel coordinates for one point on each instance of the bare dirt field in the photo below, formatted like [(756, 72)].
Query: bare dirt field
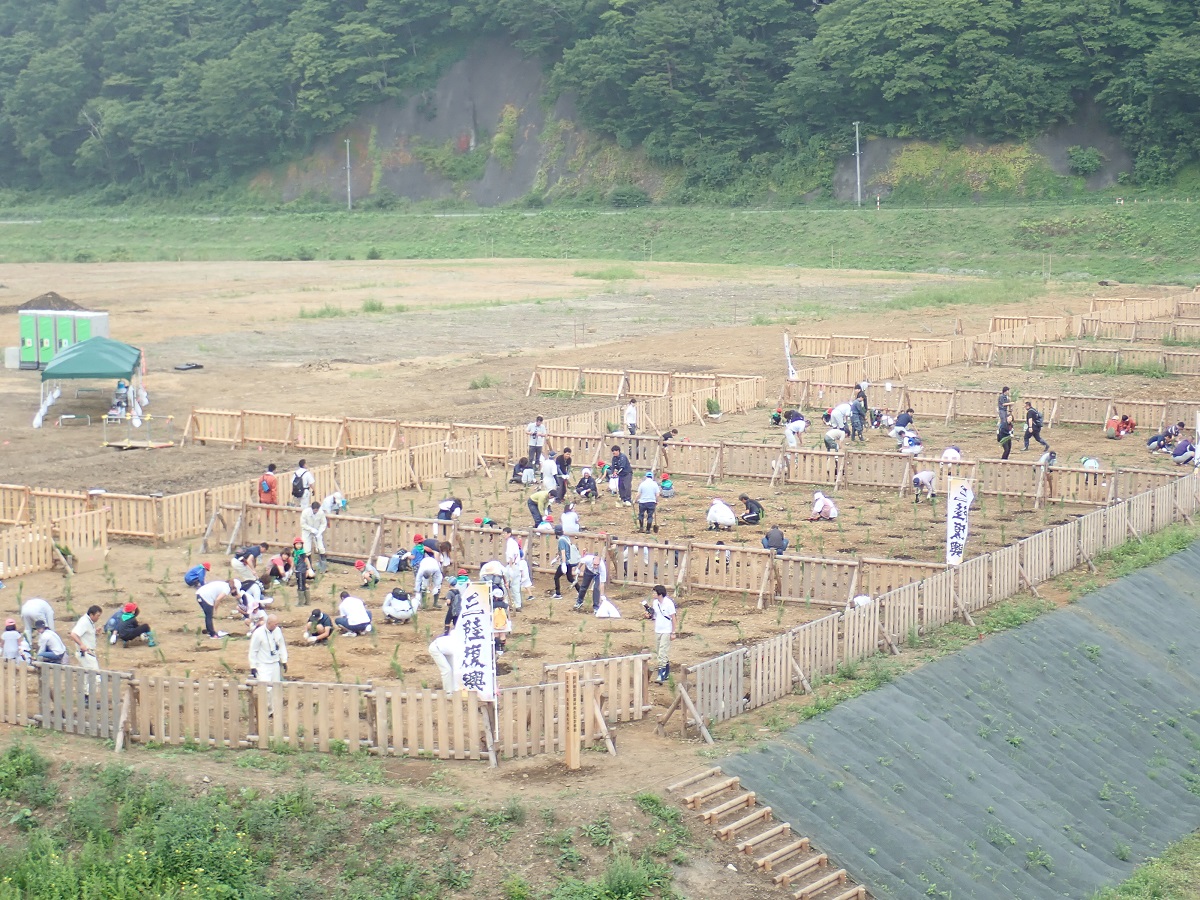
[(461, 321)]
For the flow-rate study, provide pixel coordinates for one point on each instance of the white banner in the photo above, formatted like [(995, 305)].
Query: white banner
[(958, 506), (787, 354), (476, 670)]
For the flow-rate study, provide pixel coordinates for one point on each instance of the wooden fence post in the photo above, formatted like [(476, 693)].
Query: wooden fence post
[(573, 712)]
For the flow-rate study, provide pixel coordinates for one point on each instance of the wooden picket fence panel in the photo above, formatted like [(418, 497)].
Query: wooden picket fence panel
[(208, 712), (352, 537), (25, 549), (394, 471), (75, 700), (429, 723), (462, 457), (18, 692), (1064, 548), (696, 460), (860, 632), (355, 476), (744, 570), (1035, 556), (132, 516), (428, 461), (937, 599), (269, 429), (625, 683), (533, 718), (749, 460), (14, 504), (881, 576), (558, 378), (491, 440), (971, 578), (876, 469), (183, 515), (396, 532), (86, 536), (309, 716), (817, 467), (772, 673), (717, 685), (815, 646), (1141, 512), (418, 433), (822, 582), (377, 435), (214, 426), (900, 611), (48, 504), (646, 564)]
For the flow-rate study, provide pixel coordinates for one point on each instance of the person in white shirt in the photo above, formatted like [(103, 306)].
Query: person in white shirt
[(514, 575), (631, 417), (794, 432), (537, 439), (208, 596), (549, 469), (83, 636), (353, 616), (429, 579), (662, 610), (268, 656), (923, 481), (570, 520), (911, 444), (32, 610), (647, 496), (952, 455), (720, 515), (823, 508), (51, 648), (334, 504), (839, 416), (12, 642), (1092, 465), (268, 651), (305, 480), (397, 607), (595, 574), (313, 523), (446, 651)]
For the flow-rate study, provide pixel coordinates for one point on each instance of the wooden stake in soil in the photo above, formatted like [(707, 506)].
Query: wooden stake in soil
[(573, 713)]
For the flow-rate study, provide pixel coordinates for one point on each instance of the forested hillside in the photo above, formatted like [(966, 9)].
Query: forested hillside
[(163, 94)]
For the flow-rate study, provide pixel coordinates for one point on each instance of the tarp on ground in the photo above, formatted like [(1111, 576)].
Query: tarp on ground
[(1044, 762), (97, 357)]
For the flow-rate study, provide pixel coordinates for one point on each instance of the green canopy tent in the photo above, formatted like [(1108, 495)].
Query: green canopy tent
[(97, 357)]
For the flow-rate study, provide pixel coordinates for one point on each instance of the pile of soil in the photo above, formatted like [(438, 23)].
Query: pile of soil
[(48, 301)]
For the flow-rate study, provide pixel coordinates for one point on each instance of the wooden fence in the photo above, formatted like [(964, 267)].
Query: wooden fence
[(715, 690), (386, 719)]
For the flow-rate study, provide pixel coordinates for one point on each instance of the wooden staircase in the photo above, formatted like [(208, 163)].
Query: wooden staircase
[(790, 861)]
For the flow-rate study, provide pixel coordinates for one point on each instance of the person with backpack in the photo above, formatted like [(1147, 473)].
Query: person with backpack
[(1004, 435), (398, 607), (194, 577), (302, 485), (1033, 426), (268, 487)]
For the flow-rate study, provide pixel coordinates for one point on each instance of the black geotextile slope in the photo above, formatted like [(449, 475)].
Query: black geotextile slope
[(1044, 762)]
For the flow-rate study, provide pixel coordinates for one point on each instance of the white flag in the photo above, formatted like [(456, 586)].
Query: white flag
[(958, 506), (787, 354), (476, 670)]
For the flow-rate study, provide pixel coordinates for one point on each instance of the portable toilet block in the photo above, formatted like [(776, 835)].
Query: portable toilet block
[(27, 347), (46, 322), (90, 324)]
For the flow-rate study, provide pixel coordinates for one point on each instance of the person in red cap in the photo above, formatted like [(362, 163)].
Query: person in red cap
[(370, 574), (195, 576), (129, 629)]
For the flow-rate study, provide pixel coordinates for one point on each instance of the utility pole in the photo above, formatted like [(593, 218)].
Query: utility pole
[(349, 201), (857, 167)]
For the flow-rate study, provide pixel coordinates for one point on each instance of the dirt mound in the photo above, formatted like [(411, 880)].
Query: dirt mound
[(50, 301)]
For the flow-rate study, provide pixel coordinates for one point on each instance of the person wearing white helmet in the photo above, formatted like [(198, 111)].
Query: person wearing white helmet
[(824, 509)]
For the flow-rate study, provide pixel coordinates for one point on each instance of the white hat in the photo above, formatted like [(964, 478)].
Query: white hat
[(818, 496), (587, 470)]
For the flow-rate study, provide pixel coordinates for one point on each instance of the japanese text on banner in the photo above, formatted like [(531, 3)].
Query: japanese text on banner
[(477, 668), (958, 507)]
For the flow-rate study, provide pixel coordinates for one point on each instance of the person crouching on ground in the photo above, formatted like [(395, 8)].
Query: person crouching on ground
[(720, 516), (586, 486), (370, 574), (397, 607), (320, 627), (128, 627), (754, 511), (774, 540), (923, 481), (353, 616), (824, 509)]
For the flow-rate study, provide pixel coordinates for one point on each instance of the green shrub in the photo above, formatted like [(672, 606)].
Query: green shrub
[(374, 253), (1084, 160), (373, 306), (712, 406), (628, 196), (19, 763), (483, 382)]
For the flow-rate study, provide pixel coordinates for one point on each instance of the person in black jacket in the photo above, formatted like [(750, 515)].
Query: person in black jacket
[(754, 511), (1004, 435), (622, 469), (562, 475), (1033, 426)]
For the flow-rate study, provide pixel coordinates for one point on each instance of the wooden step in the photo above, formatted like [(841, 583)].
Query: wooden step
[(693, 800), (858, 892), (749, 844), (728, 831), (715, 770), (712, 815), (816, 862), (807, 893), (766, 862)]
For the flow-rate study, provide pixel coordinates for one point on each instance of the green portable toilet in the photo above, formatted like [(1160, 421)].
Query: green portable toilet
[(90, 324), (27, 322), (45, 336), (64, 331)]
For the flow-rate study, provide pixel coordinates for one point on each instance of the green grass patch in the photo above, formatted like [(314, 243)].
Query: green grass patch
[(1175, 875), (483, 382), (373, 306), (611, 273), (1152, 548), (1172, 342), (328, 311), (971, 293)]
